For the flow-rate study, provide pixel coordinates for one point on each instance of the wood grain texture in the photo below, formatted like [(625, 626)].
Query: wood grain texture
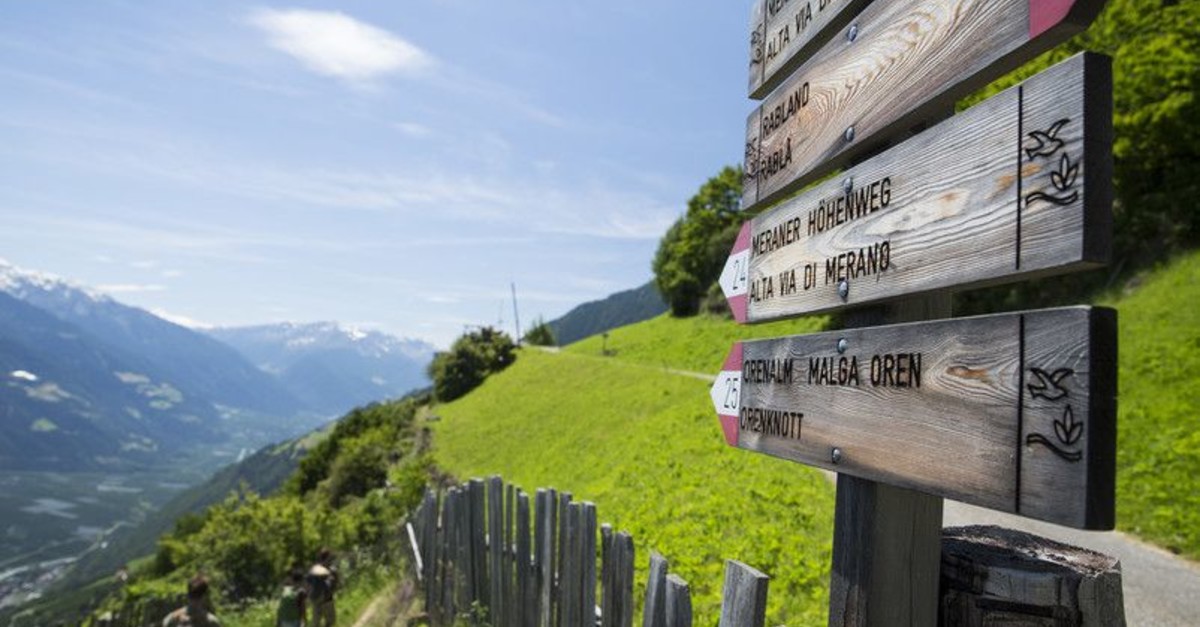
[(994, 576), (909, 59), (886, 538), (587, 561), (654, 612), (744, 597), (495, 547), (678, 602), (523, 562), (783, 33), (998, 411), (1017, 187), (623, 579)]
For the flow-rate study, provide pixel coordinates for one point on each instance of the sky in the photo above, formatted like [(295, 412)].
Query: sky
[(388, 165)]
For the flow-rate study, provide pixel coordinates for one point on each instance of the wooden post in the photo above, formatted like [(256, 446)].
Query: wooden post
[(524, 571), (572, 568), (623, 580), (587, 559), (607, 569), (560, 557), (744, 599), (886, 540), (654, 613), (995, 576), (679, 602), (508, 586), (547, 524), (478, 543), (495, 546)]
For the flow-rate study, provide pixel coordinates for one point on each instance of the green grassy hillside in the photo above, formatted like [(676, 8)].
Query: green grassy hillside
[(644, 444), (1158, 458)]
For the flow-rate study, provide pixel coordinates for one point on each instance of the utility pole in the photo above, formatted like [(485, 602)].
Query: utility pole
[(516, 316)]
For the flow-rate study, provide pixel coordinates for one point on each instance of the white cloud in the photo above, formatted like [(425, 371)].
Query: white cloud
[(130, 288), (334, 44), (413, 129)]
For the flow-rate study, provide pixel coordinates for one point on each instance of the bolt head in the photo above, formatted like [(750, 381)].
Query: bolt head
[(844, 289), (850, 134), (852, 34), (835, 455), (848, 184), (842, 344)]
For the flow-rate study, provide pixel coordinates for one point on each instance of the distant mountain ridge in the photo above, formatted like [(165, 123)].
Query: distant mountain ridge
[(616, 310), (330, 367)]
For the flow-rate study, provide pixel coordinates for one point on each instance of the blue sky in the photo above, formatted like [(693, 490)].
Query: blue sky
[(392, 165)]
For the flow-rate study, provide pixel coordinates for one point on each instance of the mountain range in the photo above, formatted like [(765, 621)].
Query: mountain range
[(88, 383)]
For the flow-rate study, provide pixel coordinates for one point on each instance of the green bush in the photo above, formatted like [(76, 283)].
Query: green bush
[(469, 361)]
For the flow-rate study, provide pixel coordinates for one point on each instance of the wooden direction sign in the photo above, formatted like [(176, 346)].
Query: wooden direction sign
[(1015, 187), (1015, 412), (899, 64), (783, 32)]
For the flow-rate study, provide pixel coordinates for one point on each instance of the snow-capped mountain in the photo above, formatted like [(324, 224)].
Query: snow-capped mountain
[(332, 367), (87, 382)]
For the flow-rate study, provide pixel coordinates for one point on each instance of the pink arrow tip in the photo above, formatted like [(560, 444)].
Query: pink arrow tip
[(739, 307), (733, 362), (729, 426), (743, 240), (1046, 14)]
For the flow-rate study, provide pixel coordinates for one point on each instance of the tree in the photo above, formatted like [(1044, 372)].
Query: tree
[(540, 334), (469, 361), (692, 253)]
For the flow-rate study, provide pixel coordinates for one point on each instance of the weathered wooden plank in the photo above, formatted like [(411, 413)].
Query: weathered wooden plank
[(522, 560), (476, 507), (679, 602), (587, 561), (508, 586), (547, 525), (1014, 412), (561, 556), (906, 59), (744, 598), (1017, 187), (994, 576), (785, 32), (607, 569), (623, 579), (654, 612), (495, 548), (885, 556), (572, 572)]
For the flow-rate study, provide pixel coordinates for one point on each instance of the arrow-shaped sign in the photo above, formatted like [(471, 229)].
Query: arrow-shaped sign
[(1016, 412), (899, 64), (1017, 186)]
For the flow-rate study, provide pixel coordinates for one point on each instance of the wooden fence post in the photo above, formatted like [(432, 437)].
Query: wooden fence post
[(744, 599), (547, 524), (623, 580), (526, 594), (607, 569), (495, 547), (508, 555), (654, 613), (477, 530), (679, 602), (560, 556), (587, 560)]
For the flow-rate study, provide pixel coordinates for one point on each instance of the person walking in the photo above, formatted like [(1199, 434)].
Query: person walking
[(196, 613), (322, 583), (290, 612)]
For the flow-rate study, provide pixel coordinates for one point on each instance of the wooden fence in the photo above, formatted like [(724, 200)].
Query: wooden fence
[(485, 554)]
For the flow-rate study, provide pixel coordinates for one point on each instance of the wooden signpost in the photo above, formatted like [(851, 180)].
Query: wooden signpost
[(898, 64), (782, 32), (1016, 187), (1015, 412)]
